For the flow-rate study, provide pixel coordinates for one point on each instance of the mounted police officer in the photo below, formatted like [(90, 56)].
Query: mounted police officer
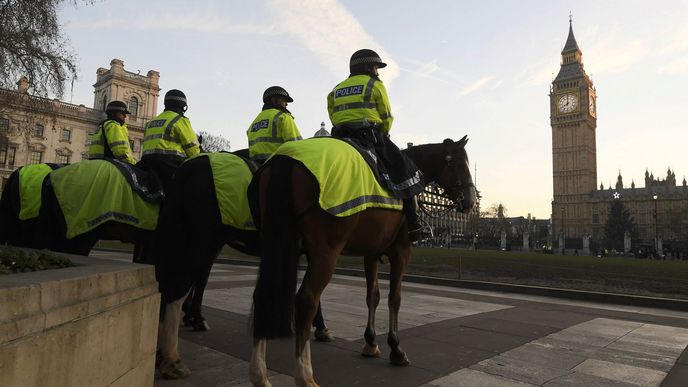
[(273, 126), (169, 138), (359, 109), (111, 140)]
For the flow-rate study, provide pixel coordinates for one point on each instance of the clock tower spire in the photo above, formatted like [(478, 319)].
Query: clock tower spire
[(574, 158)]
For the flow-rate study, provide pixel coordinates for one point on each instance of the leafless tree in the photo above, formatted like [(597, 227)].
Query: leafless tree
[(213, 142), (33, 45)]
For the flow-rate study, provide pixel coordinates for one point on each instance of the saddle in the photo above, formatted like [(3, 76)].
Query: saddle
[(142, 183)]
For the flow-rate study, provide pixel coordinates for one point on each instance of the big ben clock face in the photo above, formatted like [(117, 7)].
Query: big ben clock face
[(567, 103), (592, 106)]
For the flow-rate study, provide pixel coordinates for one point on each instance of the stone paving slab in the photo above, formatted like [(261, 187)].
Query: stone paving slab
[(453, 337)]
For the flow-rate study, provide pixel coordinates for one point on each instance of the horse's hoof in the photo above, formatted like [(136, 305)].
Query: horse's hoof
[(399, 359), (371, 351), (176, 370), (323, 335), (200, 326)]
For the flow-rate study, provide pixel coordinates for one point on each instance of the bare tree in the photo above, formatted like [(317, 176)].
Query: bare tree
[(213, 142), (33, 45)]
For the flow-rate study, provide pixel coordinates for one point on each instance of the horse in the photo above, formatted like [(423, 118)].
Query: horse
[(68, 224), (284, 198), (190, 235)]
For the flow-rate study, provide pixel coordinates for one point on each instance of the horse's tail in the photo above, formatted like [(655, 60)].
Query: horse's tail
[(273, 298), (9, 210)]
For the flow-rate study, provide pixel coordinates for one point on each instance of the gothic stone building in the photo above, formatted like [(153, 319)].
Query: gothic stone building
[(39, 130), (578, 208)]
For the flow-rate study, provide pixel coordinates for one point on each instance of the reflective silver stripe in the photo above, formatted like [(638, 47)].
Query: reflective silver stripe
[(274, 123), (415, 179), (152, 137), (175, 98), (361, 200), (353, 105), (122, 157), (134, 177), (369, 90), (266, 139), (163, 152), (112, 215), (116, 143), (293, 138), (168, 130), (189, 145)]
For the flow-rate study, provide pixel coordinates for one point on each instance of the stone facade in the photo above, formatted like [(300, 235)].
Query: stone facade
[(38, 130), (578, 208)]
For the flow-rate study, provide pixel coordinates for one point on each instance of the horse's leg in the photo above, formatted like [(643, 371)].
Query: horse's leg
[(371, 349), (257, 370), (195, 301), (318, 275), (398, 258), (171, 366)]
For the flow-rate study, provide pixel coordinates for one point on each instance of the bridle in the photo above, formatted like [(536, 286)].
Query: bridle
[(457, 203)]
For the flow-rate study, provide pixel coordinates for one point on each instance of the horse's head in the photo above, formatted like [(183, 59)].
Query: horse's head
[(447, 165)]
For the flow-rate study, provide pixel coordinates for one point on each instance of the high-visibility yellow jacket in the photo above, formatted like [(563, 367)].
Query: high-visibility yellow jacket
[(170, 133), (358, 101), (111, 140), (271, 128)]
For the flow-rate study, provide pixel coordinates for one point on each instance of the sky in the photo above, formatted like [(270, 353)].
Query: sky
[(455, 68)]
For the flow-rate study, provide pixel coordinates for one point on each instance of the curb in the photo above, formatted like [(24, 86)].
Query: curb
[(580, 295)]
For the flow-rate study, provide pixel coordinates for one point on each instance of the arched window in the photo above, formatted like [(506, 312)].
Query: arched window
[(104, 102), (133, 105)]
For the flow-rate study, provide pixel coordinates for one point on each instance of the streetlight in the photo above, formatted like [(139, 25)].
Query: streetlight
[(654, 215)]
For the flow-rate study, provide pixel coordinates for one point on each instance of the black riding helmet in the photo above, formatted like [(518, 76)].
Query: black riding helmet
[(364, 57), (276, 91), (116, 106), (175, 99)]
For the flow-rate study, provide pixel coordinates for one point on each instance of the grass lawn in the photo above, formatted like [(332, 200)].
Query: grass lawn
[(608, 274)]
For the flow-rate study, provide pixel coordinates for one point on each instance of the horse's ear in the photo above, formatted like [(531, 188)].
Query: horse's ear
[(463, 140)]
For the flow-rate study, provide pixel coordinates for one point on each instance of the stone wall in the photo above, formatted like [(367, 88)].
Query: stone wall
[(91, 325)]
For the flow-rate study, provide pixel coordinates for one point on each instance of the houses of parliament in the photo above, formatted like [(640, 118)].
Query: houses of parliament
[(579, 207)]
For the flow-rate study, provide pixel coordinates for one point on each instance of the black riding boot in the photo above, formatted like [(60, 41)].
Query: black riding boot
[(411, 211)]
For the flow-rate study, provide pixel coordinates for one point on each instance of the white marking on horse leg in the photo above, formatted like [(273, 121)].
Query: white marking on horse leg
[(303, 372), (257, 370), (169, 339)]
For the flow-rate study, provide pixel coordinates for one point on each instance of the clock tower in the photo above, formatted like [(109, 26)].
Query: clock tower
[(573, 103)]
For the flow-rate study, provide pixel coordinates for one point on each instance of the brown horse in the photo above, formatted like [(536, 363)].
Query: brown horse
[(289, 212)]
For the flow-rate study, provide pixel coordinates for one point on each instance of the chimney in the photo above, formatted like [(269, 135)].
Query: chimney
[(23, 85)]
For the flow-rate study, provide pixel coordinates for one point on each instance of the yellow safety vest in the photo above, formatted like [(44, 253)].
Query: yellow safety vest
[(359, 101), (270, 129), (112, 135), (170, 133)]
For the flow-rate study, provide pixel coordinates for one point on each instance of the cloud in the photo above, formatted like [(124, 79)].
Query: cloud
[(206, 22), (331, 32), (678, 66), (477, 85)]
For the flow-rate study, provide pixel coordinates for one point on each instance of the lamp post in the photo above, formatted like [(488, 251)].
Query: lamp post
[(654, 215)]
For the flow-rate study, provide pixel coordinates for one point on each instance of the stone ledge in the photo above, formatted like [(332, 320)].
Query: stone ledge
[(93, 324)]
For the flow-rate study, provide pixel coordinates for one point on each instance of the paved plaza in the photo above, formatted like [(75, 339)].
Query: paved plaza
[(453, 337)]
